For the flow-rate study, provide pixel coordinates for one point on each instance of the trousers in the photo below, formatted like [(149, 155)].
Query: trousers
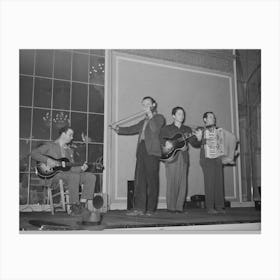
[(176, 188), (213, 182), (146, 180), (74, 180)]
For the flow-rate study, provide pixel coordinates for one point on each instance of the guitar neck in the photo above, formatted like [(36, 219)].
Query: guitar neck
[(188, 135), (73, 164), (185, 136)]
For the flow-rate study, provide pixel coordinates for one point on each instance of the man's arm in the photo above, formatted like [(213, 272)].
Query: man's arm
[(78, 169), (39, 153), (130, 130), (163, 134), (196, 140)]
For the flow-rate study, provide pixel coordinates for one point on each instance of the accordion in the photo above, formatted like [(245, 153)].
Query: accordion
[(220, 143)]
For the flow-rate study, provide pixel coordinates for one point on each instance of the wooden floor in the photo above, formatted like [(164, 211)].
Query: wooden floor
[(118, 219)]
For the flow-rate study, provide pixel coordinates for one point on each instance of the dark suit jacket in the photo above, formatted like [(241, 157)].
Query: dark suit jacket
[(152, 131)]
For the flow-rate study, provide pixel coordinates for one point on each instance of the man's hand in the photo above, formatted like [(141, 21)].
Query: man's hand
[(114, 127), (198, 134), (84, 167), (168, 145)]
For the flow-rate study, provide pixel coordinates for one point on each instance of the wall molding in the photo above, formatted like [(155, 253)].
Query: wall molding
[(220, 60), (118, 56)]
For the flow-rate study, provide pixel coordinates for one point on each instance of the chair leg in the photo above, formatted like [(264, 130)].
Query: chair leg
[(51, 199), (62, 198), (68, 210), (46, 195)]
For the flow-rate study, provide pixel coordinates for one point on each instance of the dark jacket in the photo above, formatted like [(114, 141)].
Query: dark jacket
[(152, 131), (171, 130)]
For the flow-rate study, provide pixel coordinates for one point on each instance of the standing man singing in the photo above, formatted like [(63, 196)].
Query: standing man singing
[(147, 157)]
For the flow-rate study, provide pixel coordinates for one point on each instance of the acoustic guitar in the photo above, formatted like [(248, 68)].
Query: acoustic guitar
[(177, 143), (62, 164)]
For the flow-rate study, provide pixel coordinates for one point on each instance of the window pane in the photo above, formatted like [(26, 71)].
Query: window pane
[(25, 122), (79, 124), (44, 63), (41, 124), (79, 150), (43, 93), (26, 87), (65, 50), (96, 99), (96, 70), (81, 51), (80, 68), (61, 95), (95, 151), (79, 97), (98, 52), (24, 150), (26, 61), (23, 188), (96, 128), (35, 144), (62, 65), (59, 120), (98, 184)]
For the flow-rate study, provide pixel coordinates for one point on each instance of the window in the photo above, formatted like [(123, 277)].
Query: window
[(59, 87)]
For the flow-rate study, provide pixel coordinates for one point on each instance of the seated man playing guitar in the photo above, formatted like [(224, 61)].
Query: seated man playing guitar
[(47, 154)]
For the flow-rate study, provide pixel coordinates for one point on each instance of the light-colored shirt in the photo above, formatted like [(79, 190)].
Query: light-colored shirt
[(142, 137)]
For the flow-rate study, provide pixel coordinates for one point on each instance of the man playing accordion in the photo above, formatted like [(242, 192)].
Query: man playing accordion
[(217, 148)]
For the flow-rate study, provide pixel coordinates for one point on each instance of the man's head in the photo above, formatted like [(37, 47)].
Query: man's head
[(66, 134), (178, 114), (149, 104), (209, 118)]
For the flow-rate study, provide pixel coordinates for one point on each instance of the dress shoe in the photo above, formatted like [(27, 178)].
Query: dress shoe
[(77, 209), (135, 213), (220, 211), (150, 213), (212, 211), (181, 212)]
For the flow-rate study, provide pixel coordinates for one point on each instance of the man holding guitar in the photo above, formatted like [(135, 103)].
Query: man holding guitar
[(48, 154), (174, 140)]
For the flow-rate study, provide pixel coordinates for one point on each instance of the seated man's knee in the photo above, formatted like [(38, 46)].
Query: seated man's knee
[(75, 176), (89, 177)]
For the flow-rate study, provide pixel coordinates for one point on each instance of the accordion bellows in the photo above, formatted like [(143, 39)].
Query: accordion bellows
[(220, 143)]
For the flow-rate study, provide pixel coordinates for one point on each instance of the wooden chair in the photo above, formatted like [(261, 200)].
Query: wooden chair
[(64, 197), (64, 203), (50, 186)]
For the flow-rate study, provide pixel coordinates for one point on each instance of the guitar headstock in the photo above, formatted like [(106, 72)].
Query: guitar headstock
[(99, 164), (99, 167)]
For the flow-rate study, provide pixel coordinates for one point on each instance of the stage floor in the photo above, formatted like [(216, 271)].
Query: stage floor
[(119, 220)]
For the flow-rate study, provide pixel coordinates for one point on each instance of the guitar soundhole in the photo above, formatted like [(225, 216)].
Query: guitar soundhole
[(46, 169)]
